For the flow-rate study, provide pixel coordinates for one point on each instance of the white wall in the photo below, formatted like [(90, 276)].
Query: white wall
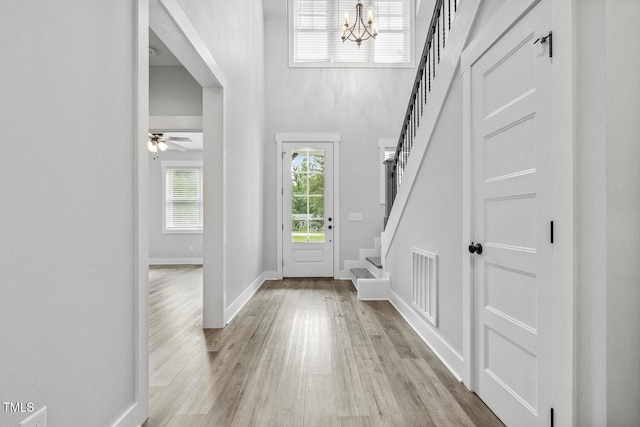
[(622, 60), (169, 248), (173, 92), (487, 11), (608, 196), (67, 174), (591, 195), (432, 222), (239, 51), (361, 104)]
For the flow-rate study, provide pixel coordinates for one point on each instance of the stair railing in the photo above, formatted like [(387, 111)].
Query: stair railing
[(441, 22)]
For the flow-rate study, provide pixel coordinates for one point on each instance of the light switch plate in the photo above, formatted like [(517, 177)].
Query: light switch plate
[(37, 419)]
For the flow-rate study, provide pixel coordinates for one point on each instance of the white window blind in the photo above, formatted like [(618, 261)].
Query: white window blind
[(183, 198), (317, 33)]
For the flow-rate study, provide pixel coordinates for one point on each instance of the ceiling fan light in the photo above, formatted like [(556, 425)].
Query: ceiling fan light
[(162, 145), (152, 147)]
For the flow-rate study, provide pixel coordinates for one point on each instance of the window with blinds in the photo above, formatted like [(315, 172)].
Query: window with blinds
[(183, 197), (316, 33)]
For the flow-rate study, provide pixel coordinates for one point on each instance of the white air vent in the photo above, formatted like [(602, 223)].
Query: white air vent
[(424, 297)]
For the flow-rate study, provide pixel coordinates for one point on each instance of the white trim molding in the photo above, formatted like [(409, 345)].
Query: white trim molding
[(173, 27), (447, 354), (170, 164), (424, 296), (271, 275), (234, 308), (138, 412), (175, 261)]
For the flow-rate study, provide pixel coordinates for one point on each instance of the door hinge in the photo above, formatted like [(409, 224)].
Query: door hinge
[(551, 231), (282, 227), (551, 420), (544, 39)]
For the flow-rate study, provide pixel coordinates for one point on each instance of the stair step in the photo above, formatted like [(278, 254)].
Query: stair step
[(362, 273), (375, 260)]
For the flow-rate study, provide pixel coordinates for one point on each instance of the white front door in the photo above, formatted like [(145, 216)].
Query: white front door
[(307, 206), (512, 276)]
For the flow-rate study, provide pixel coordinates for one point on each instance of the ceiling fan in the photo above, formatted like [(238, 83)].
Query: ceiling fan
[(157, 141)]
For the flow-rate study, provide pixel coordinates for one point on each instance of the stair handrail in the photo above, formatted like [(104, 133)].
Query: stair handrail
[(441, 21)]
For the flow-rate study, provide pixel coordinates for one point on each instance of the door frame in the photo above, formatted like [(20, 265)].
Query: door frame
[(186, 44), (332, 138), (563, 139), (168, 20)]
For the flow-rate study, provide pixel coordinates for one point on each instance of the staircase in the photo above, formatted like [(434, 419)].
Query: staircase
[(367, 274)]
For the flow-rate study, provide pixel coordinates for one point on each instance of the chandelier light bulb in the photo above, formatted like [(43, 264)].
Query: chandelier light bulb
[(162, 145), (152, 147)]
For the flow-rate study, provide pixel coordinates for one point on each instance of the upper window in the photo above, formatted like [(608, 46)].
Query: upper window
[(183, 197), (316, 34)]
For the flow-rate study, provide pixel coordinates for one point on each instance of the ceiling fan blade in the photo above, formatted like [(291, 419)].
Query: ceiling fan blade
[(176, 146), (177, 138)]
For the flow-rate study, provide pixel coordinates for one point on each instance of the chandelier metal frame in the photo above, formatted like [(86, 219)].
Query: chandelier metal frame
[(359, 31)]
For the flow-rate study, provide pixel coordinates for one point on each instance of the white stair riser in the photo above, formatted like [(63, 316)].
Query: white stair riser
[(364, 253), (373, 289), (374, 270)]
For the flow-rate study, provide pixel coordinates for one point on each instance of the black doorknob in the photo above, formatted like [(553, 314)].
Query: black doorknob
[(477, 248)]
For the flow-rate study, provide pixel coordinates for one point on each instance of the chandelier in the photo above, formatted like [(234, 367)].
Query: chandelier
[(359, 31)]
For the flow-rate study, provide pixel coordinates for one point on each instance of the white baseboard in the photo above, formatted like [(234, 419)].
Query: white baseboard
[(348, 265), (174, 261), (235, 307), (344, 275), (451, 359), (132, 417), (373, 290), (271, 275)]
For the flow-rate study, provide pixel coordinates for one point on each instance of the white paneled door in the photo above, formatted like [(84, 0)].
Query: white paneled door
[(511, 248), (307, 207)]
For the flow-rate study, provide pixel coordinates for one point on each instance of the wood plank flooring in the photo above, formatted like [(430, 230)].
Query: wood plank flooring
[(302, 352)]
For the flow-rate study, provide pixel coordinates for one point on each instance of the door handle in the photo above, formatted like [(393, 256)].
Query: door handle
[(477, 248)]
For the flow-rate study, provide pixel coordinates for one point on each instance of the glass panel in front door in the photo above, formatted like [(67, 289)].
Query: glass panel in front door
[(307, 201)]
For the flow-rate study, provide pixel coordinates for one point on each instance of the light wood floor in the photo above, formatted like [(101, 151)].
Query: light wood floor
[(302, 352)]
